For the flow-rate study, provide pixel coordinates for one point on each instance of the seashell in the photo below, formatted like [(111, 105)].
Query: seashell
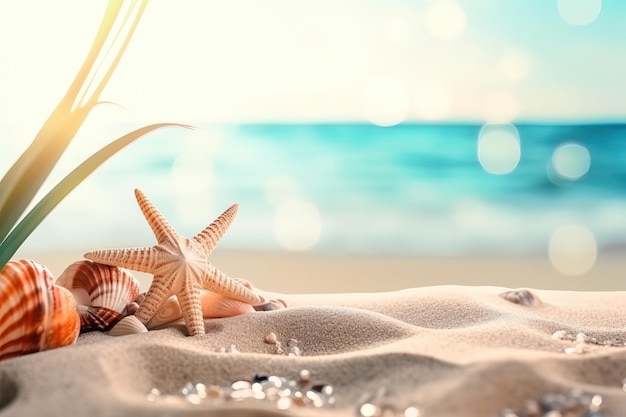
[(127, 326), (101, 291), (270, 305), (213, 306), (522, 297), (35, 314)]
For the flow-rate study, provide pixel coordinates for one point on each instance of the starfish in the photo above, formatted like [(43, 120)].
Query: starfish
[(180, 266)]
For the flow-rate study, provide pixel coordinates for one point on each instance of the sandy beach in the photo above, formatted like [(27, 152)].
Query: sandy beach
[(429, 351), (314, 273)]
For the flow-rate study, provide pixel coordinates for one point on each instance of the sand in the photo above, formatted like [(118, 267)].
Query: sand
[(447, 350)]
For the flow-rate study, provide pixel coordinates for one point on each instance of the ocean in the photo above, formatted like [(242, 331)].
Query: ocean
[(410, 189)]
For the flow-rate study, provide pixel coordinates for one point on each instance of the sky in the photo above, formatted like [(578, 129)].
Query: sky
[(383, 61)]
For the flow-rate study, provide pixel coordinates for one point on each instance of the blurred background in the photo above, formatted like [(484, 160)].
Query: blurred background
[(371, 144)]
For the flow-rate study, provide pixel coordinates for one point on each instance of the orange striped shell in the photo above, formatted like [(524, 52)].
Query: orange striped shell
[(35, 314), (102, 293)]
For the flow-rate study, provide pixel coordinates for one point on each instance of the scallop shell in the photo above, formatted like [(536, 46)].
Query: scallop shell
[(101, 291), (35, 314), (127, 326), (213, 306)]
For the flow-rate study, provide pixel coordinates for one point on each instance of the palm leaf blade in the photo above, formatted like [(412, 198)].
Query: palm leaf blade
[(26, 226)]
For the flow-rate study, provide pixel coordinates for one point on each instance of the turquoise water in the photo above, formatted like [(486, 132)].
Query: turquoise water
[(416, 189)]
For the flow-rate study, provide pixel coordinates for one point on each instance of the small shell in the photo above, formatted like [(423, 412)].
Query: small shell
[(103, 290), (522, 297), (35, 314), (213, 306), (127, 326)]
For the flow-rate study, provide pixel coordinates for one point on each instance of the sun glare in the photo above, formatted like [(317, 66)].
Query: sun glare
[(297, 225), (573, 249), (571, 161), (580, 12), (499, 149)]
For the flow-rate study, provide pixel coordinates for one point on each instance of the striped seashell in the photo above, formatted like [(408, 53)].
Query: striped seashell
[(213, 306), (102, 293), (127, 326), (35, 314)]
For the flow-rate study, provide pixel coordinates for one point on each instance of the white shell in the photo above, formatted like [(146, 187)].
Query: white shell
[(127, 326)]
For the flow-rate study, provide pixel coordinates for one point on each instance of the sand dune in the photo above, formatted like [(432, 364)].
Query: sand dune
[(445, 350)]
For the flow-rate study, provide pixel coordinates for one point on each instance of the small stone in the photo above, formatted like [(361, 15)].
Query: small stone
[(214, 391), (299, 400), (305, 375), (232, 349), (558, 335), (193, 399), (260, 378), (292, 343), (284, 403), (154, 394), (412, 412), (276, 381), (188, 388), (241, 385), (293, 351), (596, 403), (242, 394), (315, 398), (581, 338), (271, 339), (201, 390), (507, 412), (369, 410)]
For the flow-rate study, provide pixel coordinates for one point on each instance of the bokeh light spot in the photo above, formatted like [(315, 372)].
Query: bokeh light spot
[(499, 107), (386, 101), (297, 225), (445, 19), (571, 161), (573, 249), (515, 64), (580, 12), (499, 149)]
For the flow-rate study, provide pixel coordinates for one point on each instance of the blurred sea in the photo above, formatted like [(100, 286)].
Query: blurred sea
[(411, 189)]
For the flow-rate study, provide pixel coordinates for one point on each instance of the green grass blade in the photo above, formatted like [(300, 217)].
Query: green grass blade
[(25, 177), (20, 184), (26, 226)]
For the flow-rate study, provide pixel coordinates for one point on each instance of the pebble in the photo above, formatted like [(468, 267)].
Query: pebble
[(582, 342), (283, 392), (271, 339), (380, 405), (573, 404)]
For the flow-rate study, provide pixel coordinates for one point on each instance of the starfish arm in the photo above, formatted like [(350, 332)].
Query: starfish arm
[(217, 281), (210, 236), (191, 306), (156, 296), (137, 259), (161, 228)]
